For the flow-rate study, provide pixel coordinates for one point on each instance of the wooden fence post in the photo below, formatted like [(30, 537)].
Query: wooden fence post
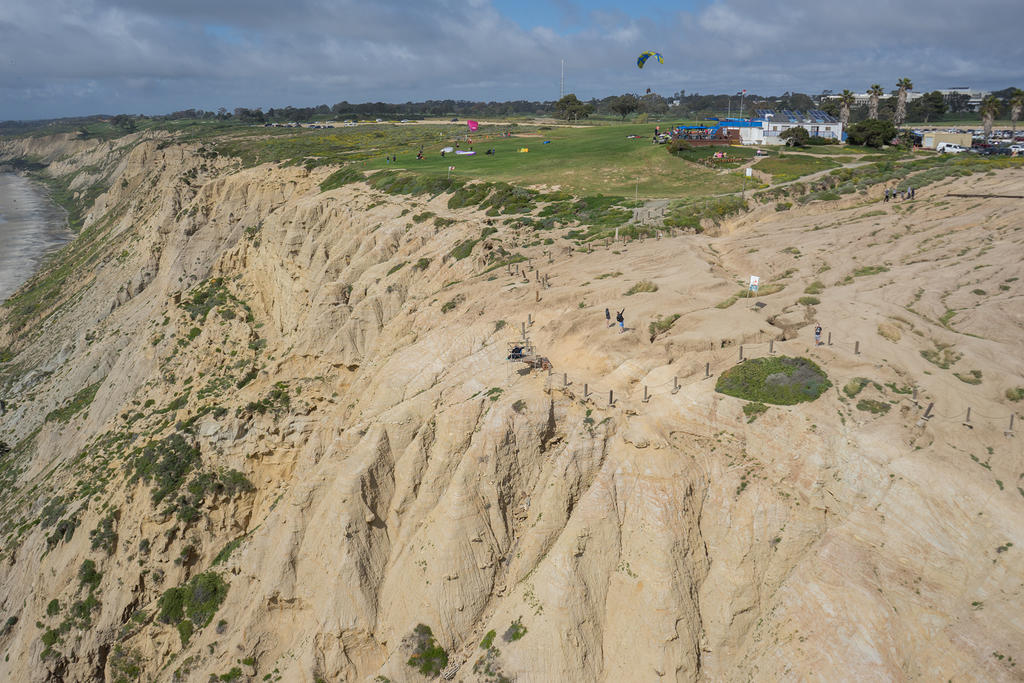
[(771, 346), (707, 370), (675, 384), (646, 396), (611, 397), (741, 352), (928, 410), (856, 348), (830, 339)]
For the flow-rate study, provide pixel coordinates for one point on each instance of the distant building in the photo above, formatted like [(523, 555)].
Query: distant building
[(973, 103), (974, 97)]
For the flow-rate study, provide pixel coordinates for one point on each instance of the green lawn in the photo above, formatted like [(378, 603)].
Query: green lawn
[(793, 166), (586, 161)]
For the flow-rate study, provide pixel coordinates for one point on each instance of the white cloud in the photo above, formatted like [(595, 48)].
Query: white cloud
[(61, 57)]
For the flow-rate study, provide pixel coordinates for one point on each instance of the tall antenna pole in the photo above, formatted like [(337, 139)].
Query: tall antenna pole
[(561, 83)]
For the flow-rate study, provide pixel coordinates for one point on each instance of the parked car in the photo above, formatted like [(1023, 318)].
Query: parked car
[(949, 148)]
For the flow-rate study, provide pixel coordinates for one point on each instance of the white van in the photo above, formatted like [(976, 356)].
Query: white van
[(949, 148)]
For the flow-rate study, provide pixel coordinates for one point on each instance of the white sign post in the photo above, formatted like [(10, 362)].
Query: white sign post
[(748, 174), (754, 282)]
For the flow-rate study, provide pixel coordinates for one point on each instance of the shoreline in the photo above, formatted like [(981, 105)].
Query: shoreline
[(32, 227)]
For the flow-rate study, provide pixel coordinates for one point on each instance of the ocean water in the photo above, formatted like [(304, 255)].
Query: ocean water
[(30, 227)]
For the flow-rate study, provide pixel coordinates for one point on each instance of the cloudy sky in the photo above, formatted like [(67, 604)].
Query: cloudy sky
[(70, 57)]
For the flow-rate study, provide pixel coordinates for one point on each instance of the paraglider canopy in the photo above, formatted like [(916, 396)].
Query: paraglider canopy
[(644, 56)]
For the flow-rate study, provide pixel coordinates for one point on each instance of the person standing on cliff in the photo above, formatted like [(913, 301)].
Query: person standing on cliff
[(622, 321), (817, 334)]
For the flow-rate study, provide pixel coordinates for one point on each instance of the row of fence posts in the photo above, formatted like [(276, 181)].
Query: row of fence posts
[(771, 350)]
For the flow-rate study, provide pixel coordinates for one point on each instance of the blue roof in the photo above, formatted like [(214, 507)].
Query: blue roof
[(737, 123)]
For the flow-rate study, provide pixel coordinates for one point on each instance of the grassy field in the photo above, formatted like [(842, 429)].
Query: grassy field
[(793, 166), (587, 161)]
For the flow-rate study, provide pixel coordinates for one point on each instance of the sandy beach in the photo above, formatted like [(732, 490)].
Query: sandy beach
[(30, 226)]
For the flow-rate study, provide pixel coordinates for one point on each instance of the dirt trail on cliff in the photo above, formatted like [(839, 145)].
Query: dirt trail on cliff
[(279, 424)]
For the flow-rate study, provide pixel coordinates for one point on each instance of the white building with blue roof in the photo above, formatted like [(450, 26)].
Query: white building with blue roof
[(769, 124)]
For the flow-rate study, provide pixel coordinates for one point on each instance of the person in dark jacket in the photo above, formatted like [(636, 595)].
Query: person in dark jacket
[(622, 321)]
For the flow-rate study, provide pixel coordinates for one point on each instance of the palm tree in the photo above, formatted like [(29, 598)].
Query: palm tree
[(1016, 104), (989, 109), (904, 85), (875, 91), (845, 100)]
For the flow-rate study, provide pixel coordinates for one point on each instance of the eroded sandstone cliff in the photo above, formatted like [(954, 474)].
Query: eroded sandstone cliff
[(261, 428)]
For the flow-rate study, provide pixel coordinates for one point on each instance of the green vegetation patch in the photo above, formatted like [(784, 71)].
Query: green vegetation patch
[(943, 356), (80, 401), (515, 631), (452, 304), (104, 536), (125, 664), (205, 297), (427, 657), (873, 406), (339, 178), (777, 380), (196, 602), (393, 182), (854, 386), (166, 463), (753, 410), (792, 166), (642, 287), (488, 639), (662, 324), (1015, 394), (89, 576), (463, 249), (972, 377), (869, 270), (276, 402), (225, 552), (690, 214)]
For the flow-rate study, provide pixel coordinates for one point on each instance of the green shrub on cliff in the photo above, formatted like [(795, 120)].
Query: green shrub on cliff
[(778, 380), (191, 606), (340, 178), (427, 656)]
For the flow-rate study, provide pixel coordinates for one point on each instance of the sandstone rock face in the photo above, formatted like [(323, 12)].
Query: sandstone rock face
[(372, 462)]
